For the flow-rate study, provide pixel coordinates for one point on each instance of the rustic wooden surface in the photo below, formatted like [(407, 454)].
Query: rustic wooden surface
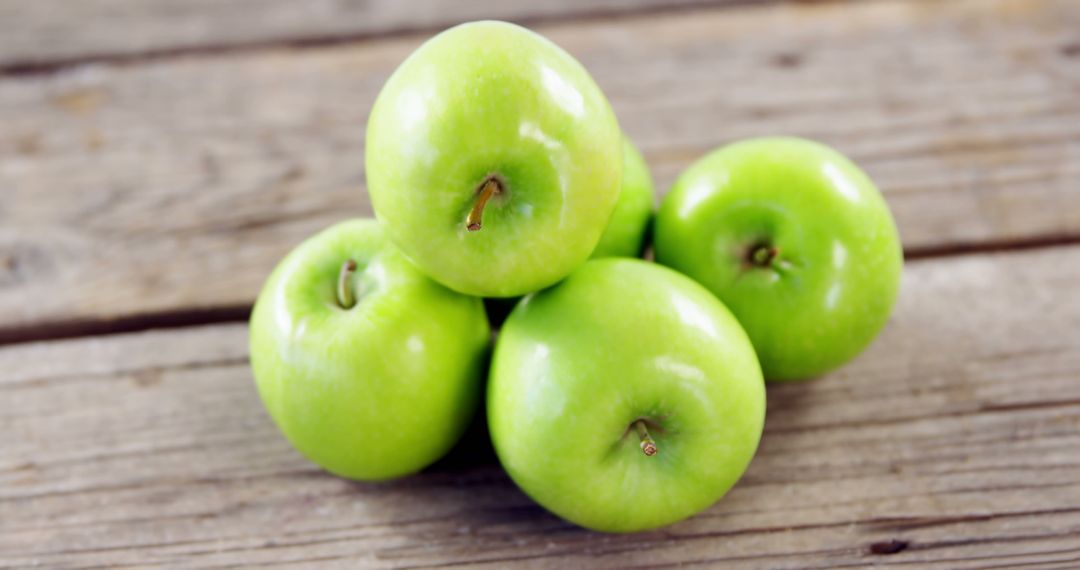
[(152, 449), (158, 157), (176, 185), (51, 33)]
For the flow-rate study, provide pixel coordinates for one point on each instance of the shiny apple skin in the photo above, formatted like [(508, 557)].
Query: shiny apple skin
[(620, 340), (836, 275), (379, 390), (493, 100), (626, 230)]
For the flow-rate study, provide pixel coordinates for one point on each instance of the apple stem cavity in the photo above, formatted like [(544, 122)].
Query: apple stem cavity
[(648, 446), (489, 188), (763, 255), (345, 297)]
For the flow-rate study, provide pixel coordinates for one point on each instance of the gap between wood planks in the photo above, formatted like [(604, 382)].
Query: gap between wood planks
[(240, 313), (29, 68)]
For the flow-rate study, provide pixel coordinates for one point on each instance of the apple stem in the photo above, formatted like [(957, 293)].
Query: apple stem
[(490, 187), (345, 296), (648, 446), (763, 255)]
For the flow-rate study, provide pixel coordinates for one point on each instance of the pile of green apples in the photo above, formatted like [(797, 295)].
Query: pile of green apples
[(621, 394)]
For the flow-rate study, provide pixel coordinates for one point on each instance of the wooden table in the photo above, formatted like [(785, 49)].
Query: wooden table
[(157, 158)]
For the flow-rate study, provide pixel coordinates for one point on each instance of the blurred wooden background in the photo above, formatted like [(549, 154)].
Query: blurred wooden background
[(158, 157)]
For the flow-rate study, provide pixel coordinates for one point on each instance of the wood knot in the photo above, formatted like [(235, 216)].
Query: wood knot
[(22, 262), (887, 547), (787, 60)]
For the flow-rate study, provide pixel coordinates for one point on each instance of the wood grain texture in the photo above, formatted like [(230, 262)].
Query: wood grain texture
[(954, 442), (42, 33), (176, 185)]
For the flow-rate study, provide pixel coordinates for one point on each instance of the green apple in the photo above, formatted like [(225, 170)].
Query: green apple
[(369, 368), (625, 232), (624, 398), (795, 240), (493, 160)]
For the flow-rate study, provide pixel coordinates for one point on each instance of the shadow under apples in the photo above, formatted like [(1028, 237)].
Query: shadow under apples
[(473, 450), (498, 309)]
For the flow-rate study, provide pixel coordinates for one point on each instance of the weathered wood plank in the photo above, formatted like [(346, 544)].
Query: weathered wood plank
[(43, 32), (954, 441), (177, 185)]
